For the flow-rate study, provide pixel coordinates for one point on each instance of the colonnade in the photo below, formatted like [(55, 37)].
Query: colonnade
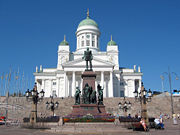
[(67, 86)]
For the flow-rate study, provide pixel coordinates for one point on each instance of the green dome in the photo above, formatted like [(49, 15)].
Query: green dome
[(87, 21), (64, 42), (110, 43)]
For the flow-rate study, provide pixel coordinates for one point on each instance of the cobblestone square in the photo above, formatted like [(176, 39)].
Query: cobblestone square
[(170, 129)]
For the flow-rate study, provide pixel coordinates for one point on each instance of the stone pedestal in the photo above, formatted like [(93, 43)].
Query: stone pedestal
[(84, 109), (89, 77)]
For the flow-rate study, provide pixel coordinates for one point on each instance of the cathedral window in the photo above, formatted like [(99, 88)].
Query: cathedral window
[(54, 93), (121, 93), (87, 36), (82, 43), (122, 83), (93, 37), (93, 43), (93, 40), (54, 83), (88, 42)]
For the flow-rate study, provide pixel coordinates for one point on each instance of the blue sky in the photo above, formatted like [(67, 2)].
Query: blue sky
[(146, 31)]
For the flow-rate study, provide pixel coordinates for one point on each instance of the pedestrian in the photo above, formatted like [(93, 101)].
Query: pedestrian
[(129, 116), (159, 123), (174, 119), (143, 124), (178, 116)]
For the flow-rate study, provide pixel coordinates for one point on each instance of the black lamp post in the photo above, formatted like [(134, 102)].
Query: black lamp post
[(170, 86), (143, 97), (52, 105), (125, 106), (34, 96)]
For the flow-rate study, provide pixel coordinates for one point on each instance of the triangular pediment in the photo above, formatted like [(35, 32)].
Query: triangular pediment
[(82, 63)]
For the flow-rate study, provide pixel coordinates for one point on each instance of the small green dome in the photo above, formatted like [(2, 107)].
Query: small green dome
[(111, 42), (64, 42), (87, 21)]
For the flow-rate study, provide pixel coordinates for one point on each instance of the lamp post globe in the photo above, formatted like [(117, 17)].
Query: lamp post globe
[(41, 94), (150, 93), (27, 93), (52, 105), (144, 92), (56, 104), (129, 104)]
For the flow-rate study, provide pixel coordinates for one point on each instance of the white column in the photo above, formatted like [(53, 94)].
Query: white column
[(43, 87), (90, 40), (126, 89), (102, 83), (118, 85), (81, 84), (131, 94), (95, 37), (73, 83), (50, 87), (102, 79), (96, 86), (139, 89), (65, 85), (57, 86), (111, 85)]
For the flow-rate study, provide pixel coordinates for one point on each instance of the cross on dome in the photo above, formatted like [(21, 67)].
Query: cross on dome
[(64, 42), (64, 37), (88, 13)]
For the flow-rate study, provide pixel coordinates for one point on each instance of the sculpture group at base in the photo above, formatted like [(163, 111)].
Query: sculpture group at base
[(89, 95), (77, 96)]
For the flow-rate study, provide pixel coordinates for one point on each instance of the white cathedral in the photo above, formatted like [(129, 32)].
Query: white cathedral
[(63, 80)]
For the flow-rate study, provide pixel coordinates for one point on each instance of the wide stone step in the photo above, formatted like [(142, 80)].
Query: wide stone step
[(89, 129)]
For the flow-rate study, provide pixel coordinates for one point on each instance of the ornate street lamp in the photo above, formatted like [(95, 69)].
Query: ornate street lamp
[(170, 86), (143, 97), (125, 106), (52, 105), (35, 97)]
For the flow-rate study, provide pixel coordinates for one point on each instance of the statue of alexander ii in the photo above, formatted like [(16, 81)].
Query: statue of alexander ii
[(88, 57)]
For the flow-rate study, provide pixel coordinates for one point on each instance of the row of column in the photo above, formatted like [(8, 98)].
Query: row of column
[(65, 93), (110, 90)]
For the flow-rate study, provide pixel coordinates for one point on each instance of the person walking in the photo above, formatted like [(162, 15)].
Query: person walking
[(174, 119)]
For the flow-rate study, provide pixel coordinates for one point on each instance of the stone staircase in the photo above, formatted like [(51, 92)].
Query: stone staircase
[(20, 108), (89, 128)]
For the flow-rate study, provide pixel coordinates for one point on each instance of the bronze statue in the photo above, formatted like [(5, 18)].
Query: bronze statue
[(88, 57), (77, 96), (100, 95), (93, 97), (85, 95)]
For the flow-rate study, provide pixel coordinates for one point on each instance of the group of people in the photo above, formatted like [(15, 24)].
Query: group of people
[(159, 122)]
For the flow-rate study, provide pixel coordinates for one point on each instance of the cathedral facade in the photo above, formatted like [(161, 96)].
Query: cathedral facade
[(63, 80)]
